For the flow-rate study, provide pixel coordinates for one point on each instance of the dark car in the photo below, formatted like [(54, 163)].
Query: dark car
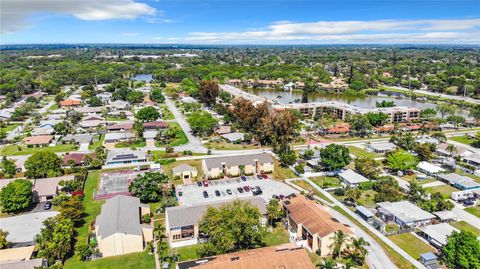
[(468, 203), (199, 183), (240, 190), (217, 193), (257, 190), (229, 191), (264, 176), (246, 188), (275, 196), (259, 176), (47, 205), (205, 194), (205, 183), (244, 178)]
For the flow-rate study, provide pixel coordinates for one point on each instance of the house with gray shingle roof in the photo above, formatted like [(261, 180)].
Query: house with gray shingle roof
[(118, 228), (237, 165)]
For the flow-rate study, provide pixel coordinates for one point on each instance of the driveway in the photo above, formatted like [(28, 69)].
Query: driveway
[(193, 194), (24, 228), (465, 216)]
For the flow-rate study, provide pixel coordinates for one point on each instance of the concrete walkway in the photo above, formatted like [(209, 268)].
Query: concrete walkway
[(465, 216)]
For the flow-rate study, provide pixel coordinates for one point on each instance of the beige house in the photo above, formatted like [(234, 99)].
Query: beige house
[(233, 166), (181, 222), (311, 225), (118, 228), (184, 171)]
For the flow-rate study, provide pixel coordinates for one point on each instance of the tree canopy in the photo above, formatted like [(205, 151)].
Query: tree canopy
[(461, 251), (148, 113), (335, 156), (16, 195), (43, 164), (149, 187), (202, 122), (401, 160)]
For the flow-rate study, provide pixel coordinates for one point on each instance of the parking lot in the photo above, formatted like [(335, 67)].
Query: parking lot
[(193, 194)]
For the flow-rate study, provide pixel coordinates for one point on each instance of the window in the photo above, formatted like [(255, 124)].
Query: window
[(177, 236)]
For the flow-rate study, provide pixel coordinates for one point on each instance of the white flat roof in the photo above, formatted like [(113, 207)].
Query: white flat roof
[(430, 167), (439, 232), (352, 177), (406, 211)]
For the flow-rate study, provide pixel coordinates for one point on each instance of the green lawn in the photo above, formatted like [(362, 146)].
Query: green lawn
[(92, 209), (277, 237), (282, 173), (411, 244), (180, 139), (12, 150), (9, 127), (304, 185), (474, 210), (140, 143), (141, 260), (461, 139), (462, 225), (223, 145), (53, 107), (362, 153), (326, 182), (446, 190), (162, 154), (187, 253), (98, 142), (166, 113)]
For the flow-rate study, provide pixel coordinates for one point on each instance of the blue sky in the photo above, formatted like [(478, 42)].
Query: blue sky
[(240, 22)]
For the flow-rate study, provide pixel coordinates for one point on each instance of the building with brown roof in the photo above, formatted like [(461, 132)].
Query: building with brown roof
[(70, 103), (275, 257), (311, 223), (76, 158), (127, 126), (155, 125), (39, 140)]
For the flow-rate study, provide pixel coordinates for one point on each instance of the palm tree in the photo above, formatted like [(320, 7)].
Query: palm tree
[(159, 231), (339, 239), (451, 148), (328, 263), (358, 250)]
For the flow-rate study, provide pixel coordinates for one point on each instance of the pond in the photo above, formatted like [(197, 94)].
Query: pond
[(143, 77), (368, 101)]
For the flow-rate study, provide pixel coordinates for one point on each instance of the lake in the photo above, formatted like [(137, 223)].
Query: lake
[(143, 77)]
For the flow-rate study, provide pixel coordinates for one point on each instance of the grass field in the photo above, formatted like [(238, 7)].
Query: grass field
[(277, 236), (362, 153), (166, 113), (461, 139), (141, 260), (446, 190), (187, 253), (474, 210), (12, 150), (462, 225), (282, 173), (92, 209), (180, 139), (53, 107), (411, 244), (9, 127), (326, 182), (98, 142), (140, 143), (304, 185), (223, 145)]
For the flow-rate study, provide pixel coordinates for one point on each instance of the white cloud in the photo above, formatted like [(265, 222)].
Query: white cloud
[(14, 13), (462, 31)]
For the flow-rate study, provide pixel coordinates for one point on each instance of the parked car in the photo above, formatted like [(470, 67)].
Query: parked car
[(246, 188), (229, 191), (205, 194), (240, 190), (244, 178), (205, 183), (259, 176), (468, 203), (275, 196), (257, 190), (264, 176), (199, 183), (217, 192), (281, 196), (47, 205)]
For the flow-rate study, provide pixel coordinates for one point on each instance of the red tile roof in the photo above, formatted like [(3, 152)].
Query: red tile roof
[(155, 124), (38, 140), (76, 157), (70, 102)]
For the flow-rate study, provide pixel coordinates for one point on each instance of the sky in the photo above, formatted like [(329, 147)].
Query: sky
[(240, 22)]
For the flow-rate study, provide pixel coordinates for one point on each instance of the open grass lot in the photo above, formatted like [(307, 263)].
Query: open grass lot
[(9, 127), (12, 150), (54, 107), (462, 225), (396, 258), (223, 145), (359, 152), (92, 209), (282, 173), (474, 210), (97, 142), (445, 190), (141, 260), (180, 138), (169, 166), (326, 182), (304, 185), (461, 139), (162, 154), (411, 244)]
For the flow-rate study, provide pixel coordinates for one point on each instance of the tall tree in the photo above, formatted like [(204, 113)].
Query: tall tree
[(43, 164), (16, 195), (208, 92), (335, 156), (367, 167), (202, 122), (148, 113), (55, 240), (400, 160), (149, 187), (461, 251), (274, 211)]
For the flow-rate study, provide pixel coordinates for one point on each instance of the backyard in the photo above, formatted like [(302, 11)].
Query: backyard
[(359, 152), (223, 145), (15, 150), (411, 244), (304, 185), (461, 139), (9, 127), (474, 210), (282, 173), (326, 182), (180, 137), (141, 260), (462, 225), (445, 190)]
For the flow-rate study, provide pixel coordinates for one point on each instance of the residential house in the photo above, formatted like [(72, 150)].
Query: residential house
[(284, 256), (118, 228), (76, 158), (429, 260), (404, 213), (311, 225), (81, 139), (92, 122), (42, 131), (232, 166), (70, 103), (437, 234), (381, 148), (188, 100), (123, 126), (442, 149), (351, 177), (234, 137), (105, 97), (126, 156), (90, 110), (118, 137), (473, 159), (39, 140), (155, 125), (184, 171), (460, 182), (46, 189), (429, 169), (445, 216), (119, 105), (182, 222)]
